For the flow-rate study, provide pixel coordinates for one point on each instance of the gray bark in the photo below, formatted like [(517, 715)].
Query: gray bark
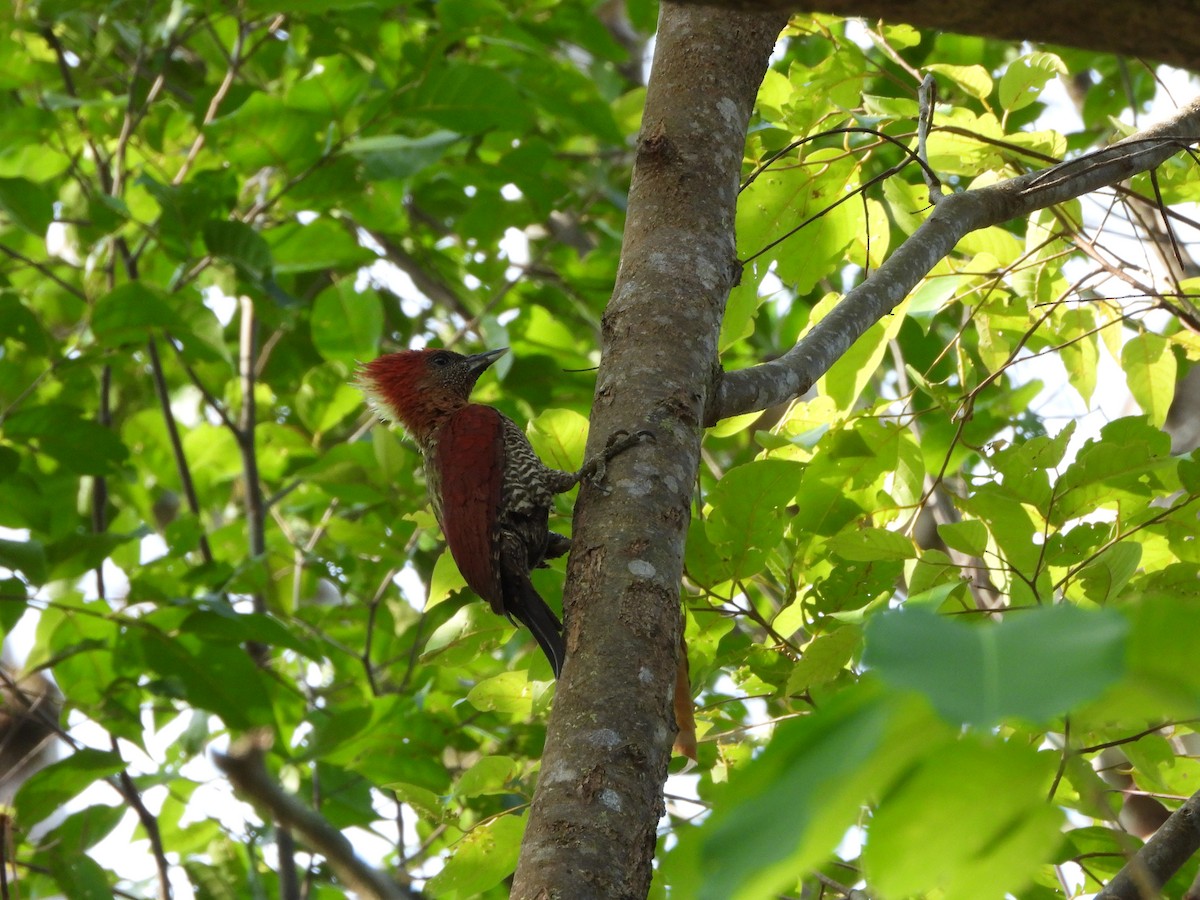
[(592, 828)]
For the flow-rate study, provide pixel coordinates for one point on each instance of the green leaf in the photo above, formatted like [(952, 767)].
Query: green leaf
[(13, 595), (702, 562), (972, 820), (786, 810), (240, 245), (26, 557), (220, 622), (80, 445), (398, 156), (1163, 638), (1023, 80), (330, 88), (319, 246), (347, 324), (778, 202), (933, 294), (86, 828), (427, 804), (508, 692), (969, 536), (469, 99), (869, 544), (130, 314), (214, 676), (263, 131), (1080, 352), (1105, 577), (1189, 475), (747, 520), (1150, 370), (490, 775), (481, 860), (78, 875), (29, 205), (1034, 665), (975, 80), (47, 791), (559, 437), (363, 739), (852, 372), (325, 398), (824, 658)]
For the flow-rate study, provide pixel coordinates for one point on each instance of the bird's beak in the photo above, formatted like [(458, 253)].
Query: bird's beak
[(480, 361)]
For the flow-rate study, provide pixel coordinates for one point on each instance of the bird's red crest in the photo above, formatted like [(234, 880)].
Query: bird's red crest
[(394, 383), (420, 388)]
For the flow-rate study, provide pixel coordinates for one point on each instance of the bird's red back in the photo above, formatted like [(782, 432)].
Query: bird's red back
[(469, 459)]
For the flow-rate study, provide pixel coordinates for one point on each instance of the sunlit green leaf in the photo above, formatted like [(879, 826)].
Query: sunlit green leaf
[(509, 692), (748, 519), (972, 79), (872, 544), (1023, 80), (480, 860), (937, 807), (1149, 366), (1035, 664), (488, 776), (792, 805), (47, 791)]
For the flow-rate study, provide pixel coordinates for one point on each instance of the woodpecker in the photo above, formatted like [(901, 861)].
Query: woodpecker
[(489, 490)]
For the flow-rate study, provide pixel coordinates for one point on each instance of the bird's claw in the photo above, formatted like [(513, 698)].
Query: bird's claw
[(621, 440), (618, 442)]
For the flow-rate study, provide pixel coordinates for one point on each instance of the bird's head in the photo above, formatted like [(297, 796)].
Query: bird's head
[(419, 388)]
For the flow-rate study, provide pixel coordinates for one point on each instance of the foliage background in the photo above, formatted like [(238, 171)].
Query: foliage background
[(209, 213)]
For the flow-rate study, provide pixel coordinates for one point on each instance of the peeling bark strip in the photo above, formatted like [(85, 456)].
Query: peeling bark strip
[(592, 826)]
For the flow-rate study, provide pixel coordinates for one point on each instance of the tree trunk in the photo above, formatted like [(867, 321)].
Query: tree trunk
[(593, 824)]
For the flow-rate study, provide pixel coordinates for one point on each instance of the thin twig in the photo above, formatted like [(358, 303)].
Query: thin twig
[(99, 482), (235, 60), (372, 610), (213, 403), (181, 463), (44, 270), (255, 517), (927, 98), (133, 797)]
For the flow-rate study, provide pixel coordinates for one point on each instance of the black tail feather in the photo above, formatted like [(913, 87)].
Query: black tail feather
[(524, 603)]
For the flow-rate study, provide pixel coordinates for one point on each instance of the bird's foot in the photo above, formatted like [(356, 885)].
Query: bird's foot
[(618, 442)]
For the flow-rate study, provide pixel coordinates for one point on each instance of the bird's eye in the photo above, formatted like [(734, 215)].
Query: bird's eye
[(440, 359)]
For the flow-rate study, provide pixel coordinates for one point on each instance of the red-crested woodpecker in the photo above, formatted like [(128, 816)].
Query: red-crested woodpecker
[(490, 491)]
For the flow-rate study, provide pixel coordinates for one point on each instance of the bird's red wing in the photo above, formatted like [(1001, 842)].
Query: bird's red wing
[(470, 458)]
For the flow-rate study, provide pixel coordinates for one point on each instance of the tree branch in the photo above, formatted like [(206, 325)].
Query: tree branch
[(1166, 30), (957, 215), (246, 770), (1160, 857)]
